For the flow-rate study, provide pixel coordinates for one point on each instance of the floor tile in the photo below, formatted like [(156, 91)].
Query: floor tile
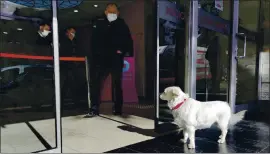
[(19, 138), (69, 150), (79, 135), (46, 128), (133, 120), (5, 148)]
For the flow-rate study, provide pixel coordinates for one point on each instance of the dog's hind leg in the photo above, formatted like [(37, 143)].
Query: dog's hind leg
[(185, 134), (223, 136), (223, 125)]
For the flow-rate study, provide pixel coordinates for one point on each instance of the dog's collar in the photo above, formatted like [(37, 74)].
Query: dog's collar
[(179, 105)]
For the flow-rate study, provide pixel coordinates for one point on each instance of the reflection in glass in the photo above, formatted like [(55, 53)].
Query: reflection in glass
[(212, 53), (171, 51), (26, 81)]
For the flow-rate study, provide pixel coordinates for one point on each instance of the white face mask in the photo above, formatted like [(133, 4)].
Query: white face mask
[(44, 33), (73, 34), (111, 17)]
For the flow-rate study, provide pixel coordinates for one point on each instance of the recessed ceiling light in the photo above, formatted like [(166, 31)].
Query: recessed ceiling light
[(19, 29), (5, 32), (76, 11), (95, 5)]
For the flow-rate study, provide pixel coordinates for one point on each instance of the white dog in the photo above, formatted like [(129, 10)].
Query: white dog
[(191, 114)]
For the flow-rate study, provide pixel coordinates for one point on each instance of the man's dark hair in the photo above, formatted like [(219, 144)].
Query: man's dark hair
[(68, 28), (110, 4), (44, 22)]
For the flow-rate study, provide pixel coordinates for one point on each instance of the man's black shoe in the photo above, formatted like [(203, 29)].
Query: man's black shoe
[(91, 114)]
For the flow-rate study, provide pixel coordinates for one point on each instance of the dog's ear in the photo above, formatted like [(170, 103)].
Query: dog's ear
[(176, 91)]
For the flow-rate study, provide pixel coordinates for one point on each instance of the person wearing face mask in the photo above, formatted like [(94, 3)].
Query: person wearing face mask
[(68, 43), (68, 48), (110, 42), (44, 37)]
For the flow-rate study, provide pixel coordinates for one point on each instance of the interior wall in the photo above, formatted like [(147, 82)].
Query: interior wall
[(133, 14)]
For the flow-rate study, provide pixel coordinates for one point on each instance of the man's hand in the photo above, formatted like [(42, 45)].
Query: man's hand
[(119, 52)]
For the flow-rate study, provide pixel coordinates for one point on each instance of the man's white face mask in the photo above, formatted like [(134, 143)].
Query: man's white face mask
[(73, 34), (44, 33), (111, 17)]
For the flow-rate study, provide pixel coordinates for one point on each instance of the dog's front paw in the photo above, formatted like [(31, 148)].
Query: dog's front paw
[(191, 146), (220, 136), (220, 141), (183, 140)]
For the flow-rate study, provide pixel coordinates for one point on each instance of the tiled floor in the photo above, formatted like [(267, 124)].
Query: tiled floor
[(80, 135), (125, 134), (245, 137)]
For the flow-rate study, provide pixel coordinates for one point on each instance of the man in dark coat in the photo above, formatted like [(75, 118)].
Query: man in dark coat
[(44, 37), (69, 80), (111, 41)]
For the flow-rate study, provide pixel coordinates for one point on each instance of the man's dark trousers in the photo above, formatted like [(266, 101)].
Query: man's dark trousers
[(100, 68), (69, 80)]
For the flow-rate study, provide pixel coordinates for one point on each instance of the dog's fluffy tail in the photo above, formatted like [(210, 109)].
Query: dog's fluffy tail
[(235, 118)]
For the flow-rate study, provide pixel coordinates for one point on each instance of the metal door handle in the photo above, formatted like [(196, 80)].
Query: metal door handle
[(245, 45)]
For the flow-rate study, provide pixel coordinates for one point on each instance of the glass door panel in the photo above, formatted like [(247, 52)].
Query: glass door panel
[(171, 48), (246, 73), (212, 55), (246, 91), (27, 104)]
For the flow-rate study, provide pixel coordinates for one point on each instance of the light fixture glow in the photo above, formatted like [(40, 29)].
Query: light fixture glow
[(5, 32), (76, 11), (95, 5), (19, 29)]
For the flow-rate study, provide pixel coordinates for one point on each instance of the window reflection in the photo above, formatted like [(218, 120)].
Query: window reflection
[(26, 80)]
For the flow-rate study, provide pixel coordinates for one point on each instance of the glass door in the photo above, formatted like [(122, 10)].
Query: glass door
[(249, 47), (213, 51), (29, 106), (220, 48), (227, 54), (170, 56)]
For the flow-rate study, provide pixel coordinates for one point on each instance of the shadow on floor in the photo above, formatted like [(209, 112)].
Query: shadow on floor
[(48, 112), (141, 131)]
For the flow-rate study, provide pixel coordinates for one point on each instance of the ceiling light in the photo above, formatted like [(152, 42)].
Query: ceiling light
[(76, 11), (19, 29), (5, 32), (95, 5)]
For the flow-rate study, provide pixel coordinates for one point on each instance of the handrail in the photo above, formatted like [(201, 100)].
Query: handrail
[(24, 56)]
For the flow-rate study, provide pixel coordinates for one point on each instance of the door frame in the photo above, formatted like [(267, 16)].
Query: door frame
[(192, 48), (57, 78), (156, 96), (190, 54), (58, 120), (233, 54)]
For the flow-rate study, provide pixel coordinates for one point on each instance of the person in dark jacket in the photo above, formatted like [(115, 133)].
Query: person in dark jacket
[(68, 43), (213, 57), (44, 37), (68, 48), (111, 41)]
